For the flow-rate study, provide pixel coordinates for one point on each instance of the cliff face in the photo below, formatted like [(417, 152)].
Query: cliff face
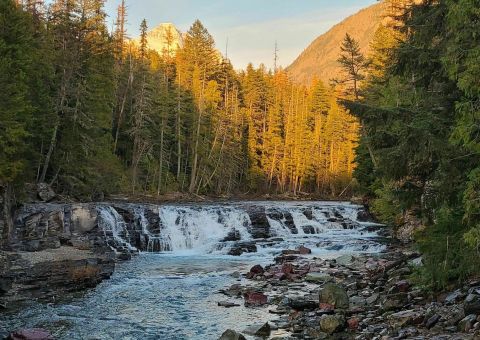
[(319, 60)]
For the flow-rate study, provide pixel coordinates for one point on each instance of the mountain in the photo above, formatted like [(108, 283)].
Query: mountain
[(165, 36), (320, 58)]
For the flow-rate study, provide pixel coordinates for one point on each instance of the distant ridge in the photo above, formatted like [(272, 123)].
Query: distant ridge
[(319, 60)]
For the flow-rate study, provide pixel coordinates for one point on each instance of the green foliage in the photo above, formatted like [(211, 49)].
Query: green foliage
[(386, 205), (420, 118), (447, 258)]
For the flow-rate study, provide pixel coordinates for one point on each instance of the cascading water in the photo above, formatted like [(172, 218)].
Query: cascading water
[(114, 228), (216, 228)]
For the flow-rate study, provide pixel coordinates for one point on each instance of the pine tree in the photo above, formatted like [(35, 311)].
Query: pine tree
[(353, 63)]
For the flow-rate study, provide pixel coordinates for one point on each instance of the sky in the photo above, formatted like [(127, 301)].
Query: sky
[(250, 26)]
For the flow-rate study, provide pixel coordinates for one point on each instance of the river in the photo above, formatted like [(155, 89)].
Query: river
[(173, 293)]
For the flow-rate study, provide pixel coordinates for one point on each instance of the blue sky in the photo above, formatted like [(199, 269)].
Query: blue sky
[(251, 26)]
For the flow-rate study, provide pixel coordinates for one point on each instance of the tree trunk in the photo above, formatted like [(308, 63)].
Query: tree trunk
[(6, 221)]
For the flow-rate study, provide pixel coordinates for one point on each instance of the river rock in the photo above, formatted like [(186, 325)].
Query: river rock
[(261, 330), (304, 250), (335, 295), (30, 334), (345, 260), (405, 318), (432, 321), (318, 277), (353, 323), (255, 299), (466, 324), (472, 304), (332, 323), (257, 269), (230, 334), (227, 304), (302, 304)]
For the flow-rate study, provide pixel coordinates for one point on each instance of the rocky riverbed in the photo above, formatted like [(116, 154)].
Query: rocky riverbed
[(353, 297)]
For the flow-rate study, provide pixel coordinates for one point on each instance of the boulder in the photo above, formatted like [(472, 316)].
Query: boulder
[(30, 334), (335, 295), (332, 323), (45, 192), (318, 277), (345, 260), (466, 324), (260, 330), (255, 299), (257, 269), (230, 334), (304, 250), (472, 304), (432, 321), (405, 318)]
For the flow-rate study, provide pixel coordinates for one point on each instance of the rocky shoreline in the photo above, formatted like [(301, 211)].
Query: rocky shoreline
[(353, 297)]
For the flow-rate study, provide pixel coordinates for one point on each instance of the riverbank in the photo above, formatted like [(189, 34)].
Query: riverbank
[(367, 296)]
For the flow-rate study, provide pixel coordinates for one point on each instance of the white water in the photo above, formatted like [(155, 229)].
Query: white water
[(202, 229)]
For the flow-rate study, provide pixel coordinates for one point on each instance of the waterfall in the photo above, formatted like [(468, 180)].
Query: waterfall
[(114, 229), (219, 227), (201, 228)]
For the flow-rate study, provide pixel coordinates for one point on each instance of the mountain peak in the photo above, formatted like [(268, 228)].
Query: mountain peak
[(165, 37)]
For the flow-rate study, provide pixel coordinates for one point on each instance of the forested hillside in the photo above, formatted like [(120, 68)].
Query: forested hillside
[(91, 113), (319, 59), (419, 105)]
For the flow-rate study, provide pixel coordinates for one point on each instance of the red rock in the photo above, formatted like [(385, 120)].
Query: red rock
[(31, 334), (290, 252), (255, 299), (353, 323), (304, 250), (403, 286), (287, 268), (326, 307), (257, 269)]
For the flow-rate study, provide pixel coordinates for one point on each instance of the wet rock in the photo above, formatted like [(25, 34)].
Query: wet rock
[(332, 323), (257, 269), (334, 295), (233, 235), (287, 268), (230, 334), (227, 304), (466, 324), (30, 334), (261, 330), (304, 250), (255, 299), (290, 252), (243, 247), (472, 304), (302, 304), (234, 290), (318, 277), (364, 216)]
